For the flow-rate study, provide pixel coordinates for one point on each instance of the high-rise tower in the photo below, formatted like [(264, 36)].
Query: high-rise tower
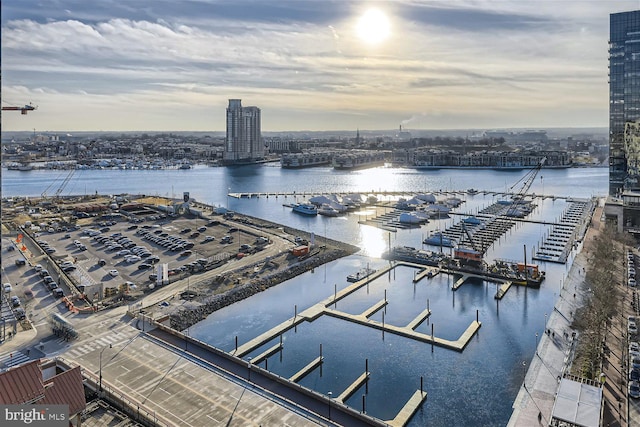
[(243, 143), (624, 97)]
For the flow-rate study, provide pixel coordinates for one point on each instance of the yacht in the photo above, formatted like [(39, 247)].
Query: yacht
[(305, 209), (327, 210)]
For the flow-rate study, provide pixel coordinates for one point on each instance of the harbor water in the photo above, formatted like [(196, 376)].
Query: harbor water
[(474, 387)]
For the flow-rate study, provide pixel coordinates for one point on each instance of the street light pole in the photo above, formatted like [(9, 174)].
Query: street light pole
[(100, 374), (536, 343)]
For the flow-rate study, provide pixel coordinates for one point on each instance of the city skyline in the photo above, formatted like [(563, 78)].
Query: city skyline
[(309, 65)]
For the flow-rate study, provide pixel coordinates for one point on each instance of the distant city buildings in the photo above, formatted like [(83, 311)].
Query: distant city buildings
[(243, 143)]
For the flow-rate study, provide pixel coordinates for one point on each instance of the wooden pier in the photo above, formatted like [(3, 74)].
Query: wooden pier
[(267, 353), (374, 308), (359, 382), (408, 409), (307, 369), (503, 290), (426, 272), (417, 321), (460, 281)]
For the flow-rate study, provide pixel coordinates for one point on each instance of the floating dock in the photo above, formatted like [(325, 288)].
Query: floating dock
[(349, 391), (307, 369), (408, 409)]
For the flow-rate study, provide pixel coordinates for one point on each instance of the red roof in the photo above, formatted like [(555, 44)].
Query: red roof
[(21, 384), (66, 389)]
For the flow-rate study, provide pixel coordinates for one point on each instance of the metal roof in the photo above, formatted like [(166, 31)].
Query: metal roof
[(21, 384), (578, 403), (66, 388), (24, 384)]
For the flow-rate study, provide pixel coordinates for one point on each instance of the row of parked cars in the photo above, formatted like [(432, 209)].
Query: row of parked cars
[(124, 247), (170, 242), (632, 329), (49, 282)]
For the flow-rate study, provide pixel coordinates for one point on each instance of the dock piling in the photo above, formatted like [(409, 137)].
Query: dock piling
[(432, 340), (364, 403)]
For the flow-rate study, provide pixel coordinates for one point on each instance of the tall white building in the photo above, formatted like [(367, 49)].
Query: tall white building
[(244, 138)]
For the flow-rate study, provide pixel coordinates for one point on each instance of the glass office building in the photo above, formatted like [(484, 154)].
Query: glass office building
[(624, 98)]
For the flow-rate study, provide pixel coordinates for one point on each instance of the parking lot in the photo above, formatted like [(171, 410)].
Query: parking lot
[(105, 255)]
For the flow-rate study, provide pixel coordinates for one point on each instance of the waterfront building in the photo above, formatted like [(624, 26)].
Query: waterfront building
[(243, 143), (624, 94), (623, 207)]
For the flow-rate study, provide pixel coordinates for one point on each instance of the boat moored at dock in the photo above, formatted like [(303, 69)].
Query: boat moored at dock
[(305, 209), (362, 274)]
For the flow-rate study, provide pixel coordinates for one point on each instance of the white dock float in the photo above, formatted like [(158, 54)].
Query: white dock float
[(307, 369), (354, 386), (408, 409)]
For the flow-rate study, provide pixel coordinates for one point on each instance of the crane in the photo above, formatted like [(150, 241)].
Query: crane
[(526, 180), (23, 110), (467, 255)]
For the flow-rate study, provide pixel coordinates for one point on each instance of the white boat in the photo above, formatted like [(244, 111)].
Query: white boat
[(305, 209), (365, 272), (327, 210), (439, 239)]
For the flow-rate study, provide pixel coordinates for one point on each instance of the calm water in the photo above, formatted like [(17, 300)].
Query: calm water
[(476, 387)]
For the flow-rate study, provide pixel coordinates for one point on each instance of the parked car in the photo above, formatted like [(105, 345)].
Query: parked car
[(113, 273), (634, 389), (20, 262), (632, 328), (20, 313), (7, 287), (28, 293), (15, 301)]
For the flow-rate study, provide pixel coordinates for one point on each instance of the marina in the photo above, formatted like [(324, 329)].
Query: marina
[(450, 311)]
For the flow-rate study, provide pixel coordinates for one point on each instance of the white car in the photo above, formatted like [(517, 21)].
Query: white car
[(113, 273), (632, 328), (7, 287)]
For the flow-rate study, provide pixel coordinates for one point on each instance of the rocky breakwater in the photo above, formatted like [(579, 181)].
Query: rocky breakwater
[(280, 269)]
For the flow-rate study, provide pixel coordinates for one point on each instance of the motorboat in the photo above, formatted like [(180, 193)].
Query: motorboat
[(362, 274), (439, 239), (327, 210), (305, 209)]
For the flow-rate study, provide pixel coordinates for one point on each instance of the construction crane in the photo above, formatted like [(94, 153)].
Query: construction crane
[(467, 255), (517, 203), (23, 110)]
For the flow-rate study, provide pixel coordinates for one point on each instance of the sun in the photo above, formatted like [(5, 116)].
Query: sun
[(373, 26)]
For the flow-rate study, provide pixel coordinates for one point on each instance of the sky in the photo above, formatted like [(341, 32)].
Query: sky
[(162, 65)]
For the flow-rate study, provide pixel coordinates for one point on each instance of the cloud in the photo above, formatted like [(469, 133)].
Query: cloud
[(507, 59)]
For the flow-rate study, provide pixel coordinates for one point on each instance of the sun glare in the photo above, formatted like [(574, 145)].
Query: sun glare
[(373, 26)]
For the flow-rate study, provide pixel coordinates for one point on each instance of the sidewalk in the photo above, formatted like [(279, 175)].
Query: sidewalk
[(534, 403)]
